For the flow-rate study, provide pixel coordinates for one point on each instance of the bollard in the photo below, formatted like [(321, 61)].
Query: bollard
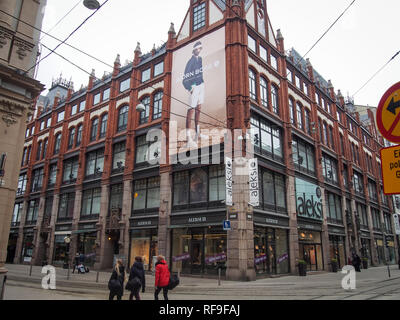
[(97, 276), (388, 270), (219, 276), (30, 270), (179, 273), (3, 288), (68, 273)]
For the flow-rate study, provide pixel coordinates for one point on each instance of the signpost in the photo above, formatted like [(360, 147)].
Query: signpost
[(390, 158)]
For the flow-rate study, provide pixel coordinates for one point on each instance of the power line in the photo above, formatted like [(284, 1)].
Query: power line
[(51, 36), (376, 73), (59, 21), (330, 27), (69, 36)]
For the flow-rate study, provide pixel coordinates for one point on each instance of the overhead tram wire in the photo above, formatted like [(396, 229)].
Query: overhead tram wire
[(330, 27), (376, 73), (59, 21), (69, 36), (51, 36)]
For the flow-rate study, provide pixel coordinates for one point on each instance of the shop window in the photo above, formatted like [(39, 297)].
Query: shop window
[(66, 206), (91, 203), (27, 248), (119, 156), (144, 243), (146, 195), (70, 170), (273, 191), (334, 208), (217, 190), (60, 250), (267, 138), (95, 163)]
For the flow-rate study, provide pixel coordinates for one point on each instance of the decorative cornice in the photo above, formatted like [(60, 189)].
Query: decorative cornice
[(5, 36), (11, 107), (9, 119), (23, 47)]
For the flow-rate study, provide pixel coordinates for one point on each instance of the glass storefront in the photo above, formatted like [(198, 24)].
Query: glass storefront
[(60, 250), (310, 250), (199, 250), (87, 247), (380, 251), (144, 243), (391, 251), (271, 252), (11, 247), (27, 248), (337, 250), (366, 249)]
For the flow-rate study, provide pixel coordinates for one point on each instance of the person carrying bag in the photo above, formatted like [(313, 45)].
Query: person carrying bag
[(137, 279), (116, 282)]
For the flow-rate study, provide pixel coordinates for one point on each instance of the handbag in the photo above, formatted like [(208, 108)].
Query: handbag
[(114, 285), (173, 282), (133, 284)]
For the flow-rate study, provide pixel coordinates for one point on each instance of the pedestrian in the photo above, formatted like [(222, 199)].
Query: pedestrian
[(137, 271), (116, 282), (76, 262), (356, 262), (162, 278)]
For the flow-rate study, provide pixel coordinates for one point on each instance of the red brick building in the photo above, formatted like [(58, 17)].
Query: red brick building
[(86, 174)]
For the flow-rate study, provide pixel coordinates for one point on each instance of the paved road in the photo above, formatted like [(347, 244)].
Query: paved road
[(371, 284)]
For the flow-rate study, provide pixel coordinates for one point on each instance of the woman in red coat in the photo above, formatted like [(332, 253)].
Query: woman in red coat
[(162, 278)]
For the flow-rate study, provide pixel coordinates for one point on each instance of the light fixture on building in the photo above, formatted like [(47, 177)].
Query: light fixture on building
[(91, 4), (140, 107)]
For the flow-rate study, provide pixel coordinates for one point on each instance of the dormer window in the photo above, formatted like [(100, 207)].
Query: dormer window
[(199, 16)]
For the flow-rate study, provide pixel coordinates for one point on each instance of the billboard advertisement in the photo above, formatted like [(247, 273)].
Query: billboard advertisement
[(198, 103), (308, 200)]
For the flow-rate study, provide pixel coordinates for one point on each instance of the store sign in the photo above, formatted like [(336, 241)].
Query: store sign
[(282, 258), (182, 257), (229, 182), (253, 183), (227, 225), (396, 223), (308, 200), (197, 219), (216, 258), (260, 259)]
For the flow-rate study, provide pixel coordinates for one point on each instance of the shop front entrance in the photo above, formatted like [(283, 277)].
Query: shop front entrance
[(11, 248), (310, 250)]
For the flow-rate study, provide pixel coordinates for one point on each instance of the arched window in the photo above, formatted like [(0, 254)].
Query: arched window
[(71, 138), (46, 142), (39, 150), (123, 118), (307, 115), (252, 85), (57, 144), (264, 92), (292, 111), (275, 99), (24, 157), (325, 127), (157, 109), (103, 127), (95, 127), (300, 116), (79, 136), (144, 115)]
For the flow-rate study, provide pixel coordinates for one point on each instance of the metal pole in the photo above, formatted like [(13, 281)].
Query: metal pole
[(179, 273), (219, 276), (30, 270), (97, 276), (3, 288)]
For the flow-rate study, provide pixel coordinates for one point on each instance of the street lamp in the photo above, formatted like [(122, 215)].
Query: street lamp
[(67, 241), (91, 4)]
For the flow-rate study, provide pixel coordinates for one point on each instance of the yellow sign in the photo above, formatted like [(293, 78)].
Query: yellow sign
[(391, 170)]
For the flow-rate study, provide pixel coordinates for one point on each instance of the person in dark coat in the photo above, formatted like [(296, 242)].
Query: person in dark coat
[(137, 271), (162, 278), (76, 262), (117, 277), (356, 262)]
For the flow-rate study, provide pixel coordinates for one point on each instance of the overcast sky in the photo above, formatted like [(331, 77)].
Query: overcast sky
[(358, 45)]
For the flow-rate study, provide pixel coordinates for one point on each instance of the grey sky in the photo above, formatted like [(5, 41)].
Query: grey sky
[(357, 46)]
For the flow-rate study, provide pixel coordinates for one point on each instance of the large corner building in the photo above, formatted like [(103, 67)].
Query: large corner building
[(86, 170)]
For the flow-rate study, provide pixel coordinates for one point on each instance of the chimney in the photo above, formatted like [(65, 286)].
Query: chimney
[(279, 37), (138, 53)]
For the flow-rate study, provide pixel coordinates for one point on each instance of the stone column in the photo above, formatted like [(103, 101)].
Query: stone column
[(371, 232), (346, 229), (240, 247), (293, 232), (164, 243), (325, 234), (103, 257), (38, 250), (18, 249), (54, 214), (73, 246), (357, 233)]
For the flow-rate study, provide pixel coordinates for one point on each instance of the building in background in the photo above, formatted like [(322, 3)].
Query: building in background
[(18, 90), (89, 168)]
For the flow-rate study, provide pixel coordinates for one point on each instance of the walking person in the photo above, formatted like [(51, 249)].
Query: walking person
[(116, 282), (76, 262), (137, 271), (162, 278), (356, 262)]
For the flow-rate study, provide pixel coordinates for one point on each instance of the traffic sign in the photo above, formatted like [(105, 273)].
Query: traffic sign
[(390, 158), (396, 223), (227, 225), (388, 114)]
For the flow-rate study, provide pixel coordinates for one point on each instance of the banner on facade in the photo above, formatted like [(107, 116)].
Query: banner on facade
[(216, 258), (182, 257), (396, 223), (228, 179), (253, 183)]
